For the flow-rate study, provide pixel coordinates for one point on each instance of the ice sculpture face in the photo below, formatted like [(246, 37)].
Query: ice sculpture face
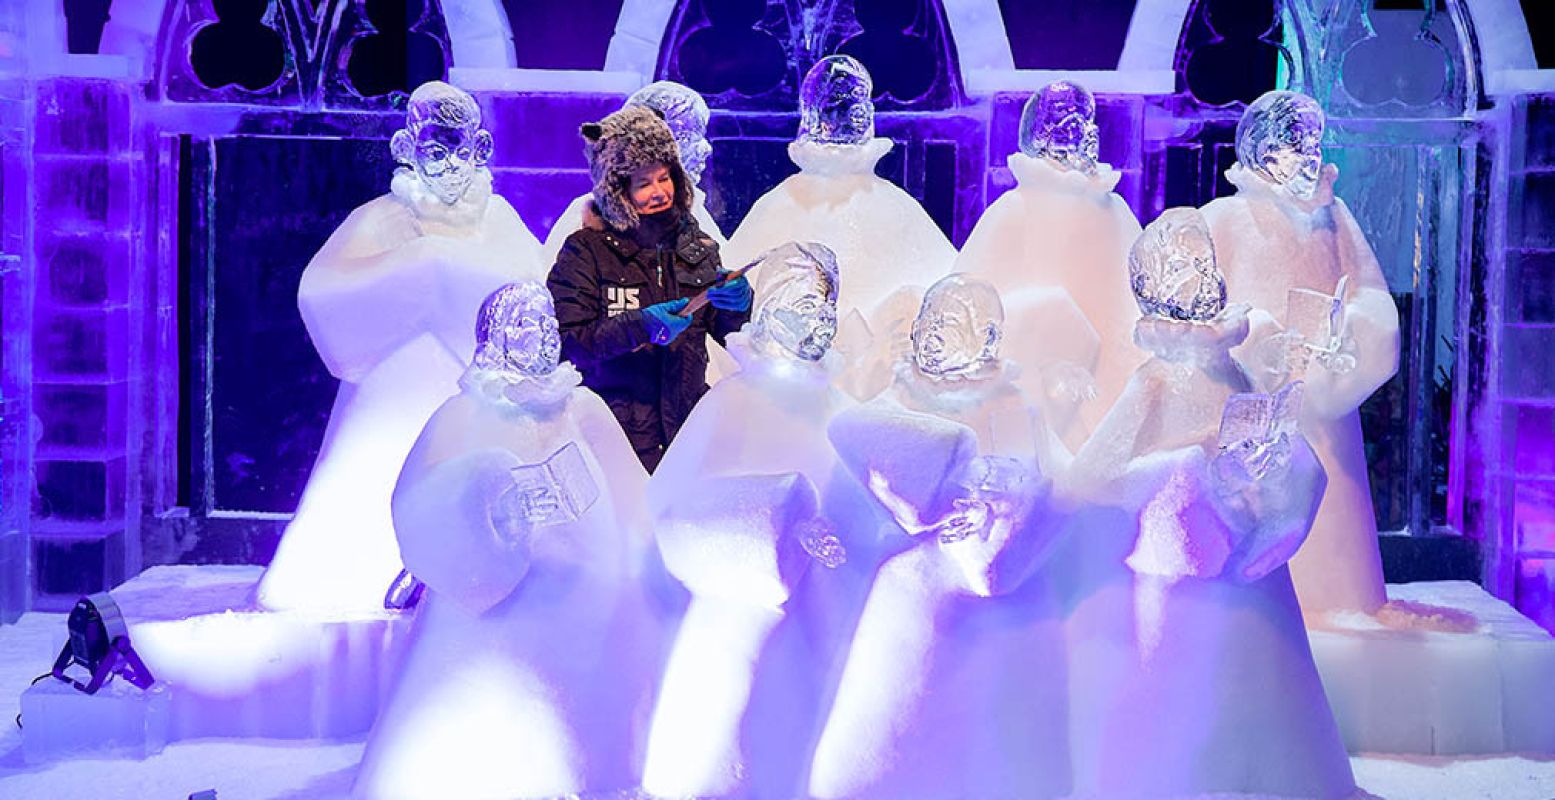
[(1059, 124), (1172, 268), (834, 103), (442, 140), (798, 310), (958, 327), (1280, 137), (686, 114), (515, 331)]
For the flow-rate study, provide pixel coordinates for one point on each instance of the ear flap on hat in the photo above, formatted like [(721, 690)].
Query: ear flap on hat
[(591, 131)]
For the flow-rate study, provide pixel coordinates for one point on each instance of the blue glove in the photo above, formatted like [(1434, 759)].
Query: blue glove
[(732, 296), (664, 322)]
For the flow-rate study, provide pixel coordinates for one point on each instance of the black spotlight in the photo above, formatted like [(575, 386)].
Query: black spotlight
[(100, 643)]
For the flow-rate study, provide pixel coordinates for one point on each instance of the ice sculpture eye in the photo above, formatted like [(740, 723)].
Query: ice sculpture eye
[(798, 308), (834, 103), (958, 327), (687, 116), (516, 331), (442, 140), (1172, 268), (1059, 124), (1280, 137)]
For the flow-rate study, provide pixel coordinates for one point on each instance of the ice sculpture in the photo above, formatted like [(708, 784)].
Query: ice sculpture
[(888, 249), (687, 115), (750, 511), (1190, 497), (1322, 314), (1056, 246), (532, 661), (835, 105), (957, 659), (387, 301), (1059, 123)]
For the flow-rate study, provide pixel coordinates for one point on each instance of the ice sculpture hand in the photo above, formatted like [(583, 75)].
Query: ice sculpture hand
[(990, 534), (732, 296), (1269, 514), (664, 322), (819, 539)]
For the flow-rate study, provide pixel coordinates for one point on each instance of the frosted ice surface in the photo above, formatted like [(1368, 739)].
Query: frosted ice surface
[(1172, 268), (557, 490), (442, 139), (834, 103), (1059, 124), (958, 327), (820, 541), (686, 114), (1256, 431), (1280, 137), (798, 290), (516, 331)]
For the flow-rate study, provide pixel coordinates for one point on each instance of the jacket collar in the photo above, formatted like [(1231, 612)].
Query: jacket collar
[(691, 245)]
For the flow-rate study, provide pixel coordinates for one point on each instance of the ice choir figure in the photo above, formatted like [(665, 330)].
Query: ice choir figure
[(775, 543), (533, 657), (954, 680), (387, 301), (1189, 498), (1323, 315), (1057, 241), (888, 248), (686, 114)]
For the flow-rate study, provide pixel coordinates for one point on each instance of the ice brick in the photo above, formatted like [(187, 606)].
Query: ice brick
[(77, 194), (1528, 361), (1538, 210), (82, 116), (80, 489), (1536, 593), (72, 344), (87, 270), (120, 720), (65, 567), (1530, 286), (81, 417)]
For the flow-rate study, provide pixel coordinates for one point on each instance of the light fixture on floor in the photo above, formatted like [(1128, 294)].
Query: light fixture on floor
[(100, 643)]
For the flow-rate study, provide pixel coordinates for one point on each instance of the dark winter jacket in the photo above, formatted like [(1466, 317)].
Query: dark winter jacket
[(600, 282)]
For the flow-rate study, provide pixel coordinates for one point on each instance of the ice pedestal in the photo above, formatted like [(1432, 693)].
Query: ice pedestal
[(1429, 691), (58, 721), (231, 671)]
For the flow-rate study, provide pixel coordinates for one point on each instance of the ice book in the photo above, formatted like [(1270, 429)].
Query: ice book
[(557, 490), (1255, 428)]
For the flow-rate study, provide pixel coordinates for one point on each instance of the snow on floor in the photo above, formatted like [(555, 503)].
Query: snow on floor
[(302, 770)]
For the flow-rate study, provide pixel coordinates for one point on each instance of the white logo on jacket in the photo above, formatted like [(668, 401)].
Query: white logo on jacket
[(620, 298)]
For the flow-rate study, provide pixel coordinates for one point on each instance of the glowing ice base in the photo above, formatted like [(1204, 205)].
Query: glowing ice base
[(1429, 691), (232, 671)]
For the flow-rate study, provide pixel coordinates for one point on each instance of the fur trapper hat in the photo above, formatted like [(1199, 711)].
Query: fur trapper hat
[(622, 143)]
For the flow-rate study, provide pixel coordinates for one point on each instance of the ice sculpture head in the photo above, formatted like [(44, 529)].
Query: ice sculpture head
[(958, 328), (834, 102), (442, 140), (1280, 138), (515, 331), (1172, 268), (686, 114), (798, 308), (1059, 124)]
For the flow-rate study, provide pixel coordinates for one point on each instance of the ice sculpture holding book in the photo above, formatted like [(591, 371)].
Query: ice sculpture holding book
[(1323, 315), (888, 248), (1188, 500), (532, 661), (387, 301), (1056, 247), (775, 542), (953, 685)]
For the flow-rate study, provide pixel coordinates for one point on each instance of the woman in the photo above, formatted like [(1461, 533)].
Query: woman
[(622, 285)]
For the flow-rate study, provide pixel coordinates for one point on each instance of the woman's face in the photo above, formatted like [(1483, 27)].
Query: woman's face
[(652, 189)]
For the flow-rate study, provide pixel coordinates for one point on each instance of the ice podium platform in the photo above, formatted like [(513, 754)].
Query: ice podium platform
[(227, 670)]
